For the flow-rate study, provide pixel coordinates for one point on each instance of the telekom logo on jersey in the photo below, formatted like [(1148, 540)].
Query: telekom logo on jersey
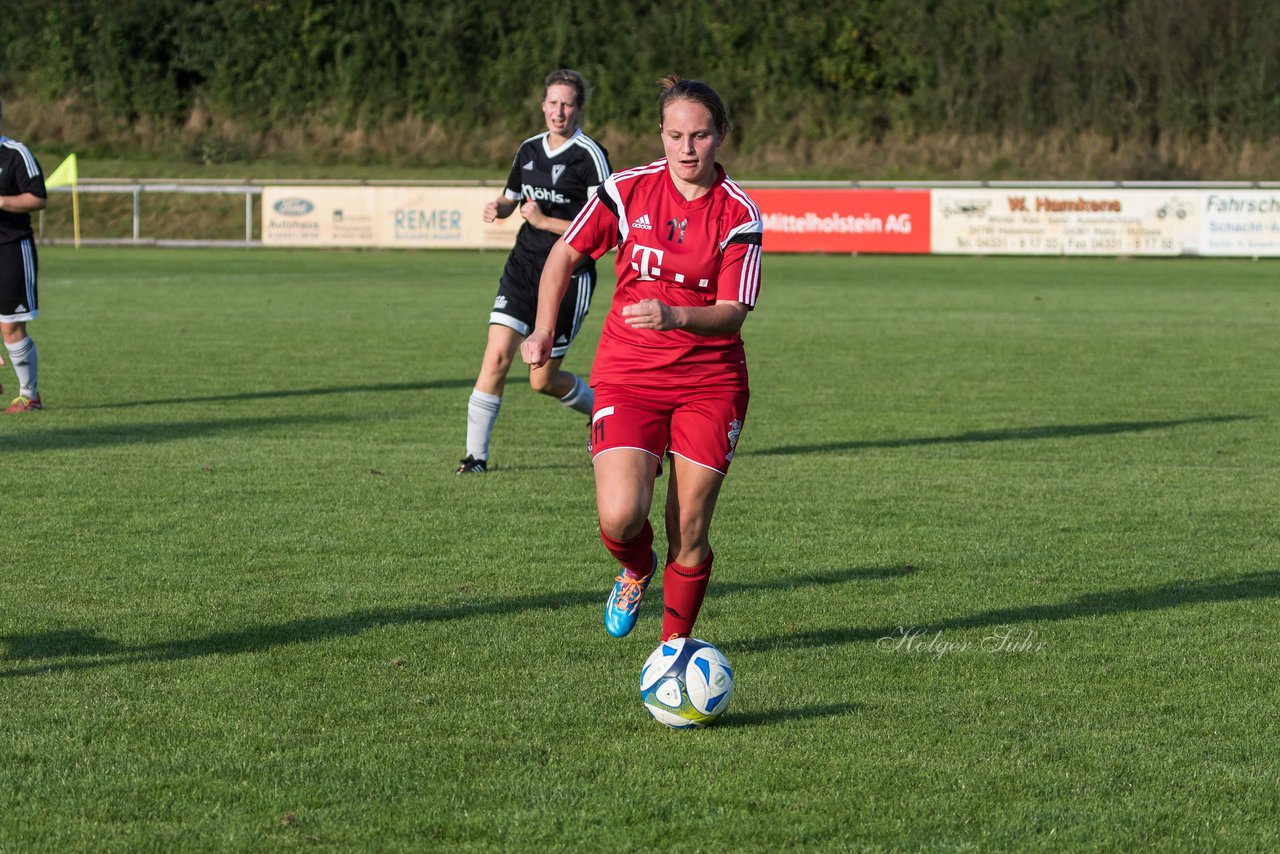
[(647, 262), (647, 266)]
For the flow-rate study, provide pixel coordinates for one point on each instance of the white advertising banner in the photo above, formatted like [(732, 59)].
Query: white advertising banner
[(1030, 221), (318, 216), (1240, 222), (442, 217), (389, 217)]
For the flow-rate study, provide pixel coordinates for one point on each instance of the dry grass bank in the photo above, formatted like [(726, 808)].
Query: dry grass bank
[(404, 146)]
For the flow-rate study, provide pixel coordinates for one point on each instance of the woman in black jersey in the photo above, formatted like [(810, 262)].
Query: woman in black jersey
[(552, 177), (22, 192)]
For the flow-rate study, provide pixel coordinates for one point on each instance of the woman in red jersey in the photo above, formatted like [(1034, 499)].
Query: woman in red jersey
[(670, 374)]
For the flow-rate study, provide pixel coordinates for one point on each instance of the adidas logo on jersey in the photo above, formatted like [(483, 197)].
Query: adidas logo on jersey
[(643, 223), (20, 309), (500, 303), (562, 340), (529, 166)]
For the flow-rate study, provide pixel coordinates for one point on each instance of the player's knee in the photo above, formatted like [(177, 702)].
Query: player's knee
[(544, 382), (13, 333), (621, 522), (496, 364)]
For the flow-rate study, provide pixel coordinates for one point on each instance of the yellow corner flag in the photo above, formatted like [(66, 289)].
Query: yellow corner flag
[(64, 175)]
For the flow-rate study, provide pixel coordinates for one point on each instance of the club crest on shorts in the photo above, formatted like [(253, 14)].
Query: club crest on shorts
[(735, 430)]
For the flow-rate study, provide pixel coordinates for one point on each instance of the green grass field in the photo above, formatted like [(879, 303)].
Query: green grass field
[(997, 568)]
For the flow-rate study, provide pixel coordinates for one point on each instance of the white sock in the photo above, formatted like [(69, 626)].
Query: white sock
[(23, 356), (581, 397), (482, 412)]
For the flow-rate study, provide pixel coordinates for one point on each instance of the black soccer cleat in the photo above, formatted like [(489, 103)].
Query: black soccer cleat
[(470, 465)]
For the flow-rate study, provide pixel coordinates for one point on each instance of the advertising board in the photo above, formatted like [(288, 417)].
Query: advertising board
[(844, 220), (318, 216), (1028, 221), (1240, 223), (977, 221), (388, 217), (442, 217)]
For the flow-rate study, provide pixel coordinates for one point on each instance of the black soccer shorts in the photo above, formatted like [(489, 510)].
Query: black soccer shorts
[(18, 281), (516, 304)]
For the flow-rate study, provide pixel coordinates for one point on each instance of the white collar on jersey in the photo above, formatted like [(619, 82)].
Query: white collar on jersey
[(546, 138)]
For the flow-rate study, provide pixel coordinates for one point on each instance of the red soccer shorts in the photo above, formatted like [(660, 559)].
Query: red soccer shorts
[(698, 424)]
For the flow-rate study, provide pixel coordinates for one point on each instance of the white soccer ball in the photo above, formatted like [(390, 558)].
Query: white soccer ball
[(686, 683)]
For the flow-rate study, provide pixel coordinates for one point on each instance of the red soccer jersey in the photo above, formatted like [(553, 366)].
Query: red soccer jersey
[(682, 252)]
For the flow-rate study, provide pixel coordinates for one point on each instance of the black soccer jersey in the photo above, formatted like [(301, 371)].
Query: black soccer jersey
[(19, 173), (560, 181)]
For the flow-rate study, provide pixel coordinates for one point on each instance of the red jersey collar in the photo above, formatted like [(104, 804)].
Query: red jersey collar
[(701, 200)]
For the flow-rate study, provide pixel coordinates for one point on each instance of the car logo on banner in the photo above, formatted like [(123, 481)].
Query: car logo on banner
[(294, 206), (966, 207)]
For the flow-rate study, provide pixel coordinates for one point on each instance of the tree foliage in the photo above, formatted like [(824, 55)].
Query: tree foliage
[(791, 70)]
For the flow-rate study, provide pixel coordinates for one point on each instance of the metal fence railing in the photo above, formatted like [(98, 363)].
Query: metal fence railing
[(137, 189)]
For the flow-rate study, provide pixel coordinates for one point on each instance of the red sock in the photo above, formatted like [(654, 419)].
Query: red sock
[(635, 554), (683, 589)]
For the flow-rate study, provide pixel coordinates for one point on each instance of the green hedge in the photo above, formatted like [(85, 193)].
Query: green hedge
[(791, 70)]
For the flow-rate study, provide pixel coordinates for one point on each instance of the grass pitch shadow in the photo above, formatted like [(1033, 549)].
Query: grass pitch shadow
[(87, 649), (59, 643), (104, 435), (733, 720), (1012, 434), (363, 388), (815, 578), (1256, 585)]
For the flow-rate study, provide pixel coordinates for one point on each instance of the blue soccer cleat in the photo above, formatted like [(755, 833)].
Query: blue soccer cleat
[(623, 607)]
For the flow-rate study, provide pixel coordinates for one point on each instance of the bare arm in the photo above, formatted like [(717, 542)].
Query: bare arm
[(723, 318), (22, 203), (533, 213), (502, 207), (536, 349), (499, 208)]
